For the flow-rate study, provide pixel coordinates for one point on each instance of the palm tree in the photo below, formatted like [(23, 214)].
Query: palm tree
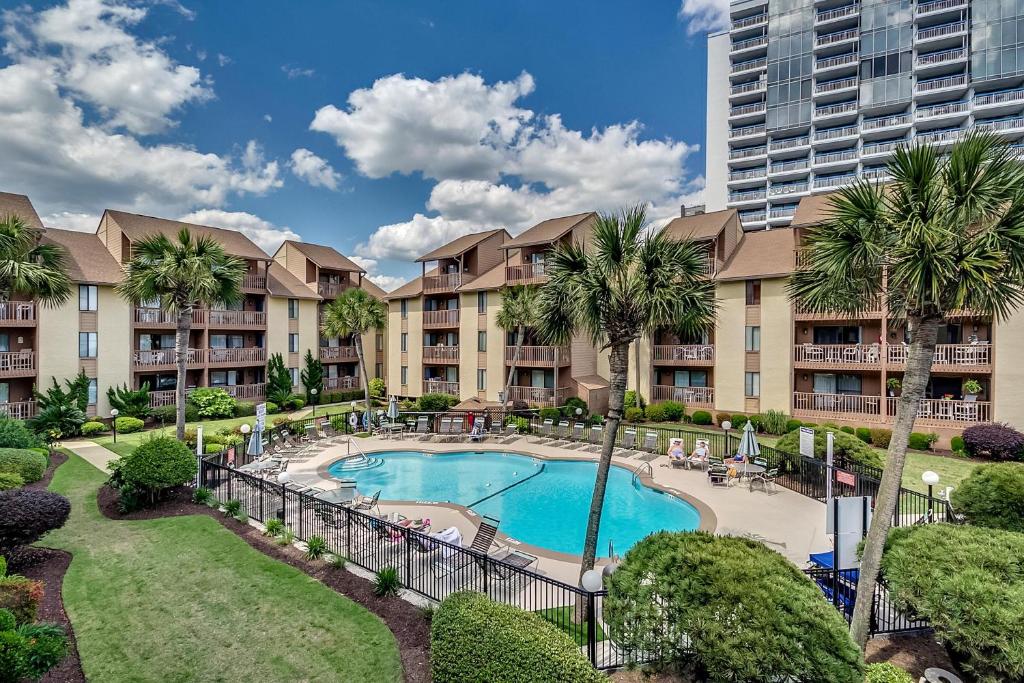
[(355, 313), (945, 235), (518, 311), (183, 274), (28, 266), (627, 284)]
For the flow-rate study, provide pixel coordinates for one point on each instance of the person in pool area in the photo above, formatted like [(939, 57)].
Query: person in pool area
[(675, 449), (700, 453)]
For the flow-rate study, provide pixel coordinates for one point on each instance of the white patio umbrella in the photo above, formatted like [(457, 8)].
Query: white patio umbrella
[(393, 408), (748, 447), (255, 447)]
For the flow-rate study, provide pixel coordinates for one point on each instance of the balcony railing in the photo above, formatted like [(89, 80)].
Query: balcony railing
[(747, 152), (144, 316), (939, 6), (876, 173), (787, 166), (750, 217), (957, 54), (752, 86), (17, 314), (244, 356), (1007, 97), (746, 196), (837, 61), (960, 355), (17, 363), (835, 109), (541, 396), (334, 354), (748, 22), (782, 212), (244, 391), (254, 282), (696, 397), (837, 37), (442, 283), (832, 86), (789, 143), (525, 273), (436, 386), (342, 383), (749, 43), (747, 131), (1015, 123), (940, 411), (886, 122), (166, 357), (881, 147), (826, 16), (939, 136), (747, 109), (18, 410), (835, 157), (749, 65), (701, 354), (543, 356), (940, 31), (752, 174), (834, 181), (838, 354), (236, 318), (872, 309), (441, 354), (937, 110), (834, 133), (942, 83), (788, 188), (446, 318), (331, 289), (837, 405)]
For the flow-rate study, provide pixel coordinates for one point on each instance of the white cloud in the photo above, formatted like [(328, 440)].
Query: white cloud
[(223, 60), (268, 118), (704, 15), (385, 282), (264, 233), (313, 169), (297, 72), (496, 163), (66, 220)]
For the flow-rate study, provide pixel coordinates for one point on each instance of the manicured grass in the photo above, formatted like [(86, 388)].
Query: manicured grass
[(561, 618), (183, 599)]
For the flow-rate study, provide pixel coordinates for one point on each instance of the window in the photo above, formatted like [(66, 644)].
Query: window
[(223, 378), (5, 343), (293, 342), (225, 341), (753, 292), (5, 392), (378, 370), (87, 297), (481, 380), (293, 309), (294, 372), (752, 384), (481, 302), (405, 308), (690, 378), (93, 391), (379, 342), (86, 344), (481, 341), (405, 375), (405, 343), (753, 338)]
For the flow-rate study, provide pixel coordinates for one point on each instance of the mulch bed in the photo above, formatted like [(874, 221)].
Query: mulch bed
[(57, 458), (915, 653), (406, 621)]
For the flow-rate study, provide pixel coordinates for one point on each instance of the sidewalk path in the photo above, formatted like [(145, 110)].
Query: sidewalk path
[(91, 452)]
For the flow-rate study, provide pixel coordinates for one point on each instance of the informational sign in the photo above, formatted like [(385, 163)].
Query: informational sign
[(199, 440), (854, 518), (848, 478), (807, 442), (261, 417)]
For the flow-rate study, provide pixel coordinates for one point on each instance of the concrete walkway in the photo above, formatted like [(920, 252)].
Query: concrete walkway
[(93, 453)]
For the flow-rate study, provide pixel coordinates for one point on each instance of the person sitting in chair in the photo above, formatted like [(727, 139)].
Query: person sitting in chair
[(675, 450), (700, 454)]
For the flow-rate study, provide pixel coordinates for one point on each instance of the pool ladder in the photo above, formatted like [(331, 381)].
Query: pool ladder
[(641, 469)]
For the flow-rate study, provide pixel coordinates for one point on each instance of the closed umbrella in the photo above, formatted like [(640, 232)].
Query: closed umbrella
[(255, 447), (393, 408), (748, 447)]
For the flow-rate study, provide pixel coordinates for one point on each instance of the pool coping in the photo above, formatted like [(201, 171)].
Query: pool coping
[(708, 519)]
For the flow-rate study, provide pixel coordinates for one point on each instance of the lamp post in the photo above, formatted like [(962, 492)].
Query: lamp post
[(113, 421), (313, 392), (726, 426), (931, 479)]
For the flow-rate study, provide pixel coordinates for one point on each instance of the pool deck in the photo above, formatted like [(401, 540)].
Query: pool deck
[(785, 521)]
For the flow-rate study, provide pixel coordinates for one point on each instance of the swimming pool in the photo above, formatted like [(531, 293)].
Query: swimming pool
[(541, 502)]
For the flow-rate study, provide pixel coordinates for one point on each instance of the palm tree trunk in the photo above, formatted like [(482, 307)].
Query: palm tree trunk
[(358, 338), (923, 334), (184, 328), (520, 333)]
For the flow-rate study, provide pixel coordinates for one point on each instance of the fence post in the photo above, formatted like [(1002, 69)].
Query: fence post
[(302, 514), (408, 558), (348, 534), (486, 592), (284, 503), (229, 484), (591, 628)]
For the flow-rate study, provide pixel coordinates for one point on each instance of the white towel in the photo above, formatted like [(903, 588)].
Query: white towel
[(450, 535)]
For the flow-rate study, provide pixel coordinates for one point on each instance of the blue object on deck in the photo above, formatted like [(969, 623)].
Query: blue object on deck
[(826, 560)]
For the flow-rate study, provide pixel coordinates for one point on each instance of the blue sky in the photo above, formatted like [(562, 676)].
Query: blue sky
[(330, 120)]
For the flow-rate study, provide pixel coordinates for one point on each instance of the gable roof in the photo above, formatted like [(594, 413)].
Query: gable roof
[(87, 258), (701, 226), (136, 226), (410, 289), (373, 289), (491, 279), (547, 231), (324, 256), (280, 282), (19, 205), (459, 245), (762, 254), (812, 210)]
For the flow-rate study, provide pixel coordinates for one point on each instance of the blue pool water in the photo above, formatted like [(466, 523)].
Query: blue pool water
[(547, 510)]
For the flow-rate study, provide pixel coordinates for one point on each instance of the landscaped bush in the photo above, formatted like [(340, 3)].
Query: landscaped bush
[(994, 440), (863, 433), (168, 414), (774, 422), (93, 428), (128, 425), (21, 596), (26, 515), (634, 415), (739, 421), (757, 422), (31, 651), (634, 400), (245, 409), (521, 423), (160, 463), (14, 434), (993, 496), (655, 412), (847, 429), (722, 417), (130, 402), (967, 582), (922, 442), (272, 408), (701, 417), (212, 403), (10, 480), (844, 446), (571, 404), (476, 640), (28, 464), (884, 672), (674, 410), (387, 584), (881, 437), (956, 444), (377, 387), (553, 414), (437, 403), (792, 425), (294, 402), (727, 609), (212, 448)]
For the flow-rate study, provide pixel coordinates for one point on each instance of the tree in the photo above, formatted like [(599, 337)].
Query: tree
[(945, 235), (78, 390), (312, 377), (28, 266), (355, 313), (627, 283), (518, 311), (184, 274), (130, 402), (59, 415), (279, 380)]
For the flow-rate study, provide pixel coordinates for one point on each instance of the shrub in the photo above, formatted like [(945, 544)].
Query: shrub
[(10, 480), (521, 423), (735, 591), (922, 442), (436, 403), (93, 428), (159, 463), (130, 402), (967, 582), (245, 409), (377, 387), (571, 404), (7, 622), (212, 402), (844, 446), (294, 403), (232, 507), (337, 561), (994, 440), (775, 422), (655, 412), (847, 429), (738, 421), (881, 437), (27, 464), (474, 640), (14, 434), (168, 414), (46, 645), (884, 672), (26, 515), (722, 417), (273, 527), (272, 408), (339, 422), (386, 583), (674, 410), (21, 596), (634, 415), (701, 417), (808, 424), (863, 433), (212, 448), (956, 444), (757, 422), (792, 425), (316, 547), (202, 495), (993, 496), (553, 414), (286, 538), (129, 425), (634, 400)]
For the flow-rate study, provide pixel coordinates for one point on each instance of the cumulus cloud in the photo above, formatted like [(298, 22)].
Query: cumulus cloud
[(385, 282), (223, 60), (264, 233), (297, 72), (704, 15), (67, 220), (496, 163), (313, 169)]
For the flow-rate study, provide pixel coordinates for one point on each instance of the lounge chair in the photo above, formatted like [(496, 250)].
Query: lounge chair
[(511, 434), (650, 441), (367, 503), (456, 429), (444, 430), (477, 433), (577, 431), (481, 545), (718, 475), (422, 427), (563, 430), (595, 438), (628, 443), (765, 479), (311, 433), (546, 430)]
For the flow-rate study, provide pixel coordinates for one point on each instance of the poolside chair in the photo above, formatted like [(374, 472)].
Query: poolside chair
[(329, 431), (443, 431), (765, 479), (481, 545), (718, 475), (423, 428), (577, 431), (628, 442), (650, 441), (563, 430), (595, 438), (457, 429), (366, 503)]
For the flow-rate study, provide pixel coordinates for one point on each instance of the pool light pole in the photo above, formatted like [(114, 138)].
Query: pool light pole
[(113, 421), (313, 392), (931, 479), (726, 426)]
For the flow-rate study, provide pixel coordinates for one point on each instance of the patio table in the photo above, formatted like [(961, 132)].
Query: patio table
[(745, 469)]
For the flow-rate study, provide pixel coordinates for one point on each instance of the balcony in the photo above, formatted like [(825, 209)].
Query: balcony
[(164, 358), (837, 356), (933, 60), (940, 412), (684, 354), (958, 82), (526, 274), (18, 364), (872, 309), (244, 392), (956, 28), (1011, 125), (752, 218), (252, 355), (997, 98), (330, 290), (940, 111), (789, 143), (886, 123), (838, 109), (749, 44), (158, 317), (828, 16), (747, 153), (339, 354), (742, 197), (235, 318), (17, 314), (880, 148), (832, 134), (746, 110), (540, 396), (342, 383), (440, 354), (538, 356), (836, 38), (838, 85), (947, 357), (748, 66), (747, 132), (837, 406), (19, 410), (433, 320), (440, 284), (940, 137), (749, 22), (782, 213), (849, 59), (694, 397), (778, 190), (795, 166), (255, 283), (878, 173), (748, 88), (832, 182), (938, 6), (751, 174), (437, 386), (832, 158)]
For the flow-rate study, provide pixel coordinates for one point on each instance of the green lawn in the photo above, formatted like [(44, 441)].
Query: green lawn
[(183, 599), (561, 618)]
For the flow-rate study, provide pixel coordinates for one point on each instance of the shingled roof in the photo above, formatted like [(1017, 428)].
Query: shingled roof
[(136, 226), (701, 226), (548, 231), (87, 259), (19, 205), (282, 283), (762, 253), (325, 257), (459, 246)]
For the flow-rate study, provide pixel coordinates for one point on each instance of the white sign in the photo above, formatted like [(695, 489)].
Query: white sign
[(199, 440), (829, 442), (854, 519), (807, 442), (261, 416)]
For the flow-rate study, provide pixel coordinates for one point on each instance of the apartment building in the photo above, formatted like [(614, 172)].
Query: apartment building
[(804, 96)]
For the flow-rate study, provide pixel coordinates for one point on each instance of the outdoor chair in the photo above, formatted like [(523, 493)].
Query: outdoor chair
[(511, 434), (329, 431), (481, 545), (312, 433), (456, 430), (595, 438), (545, 431), (765, 479), (423, 427), (650, 441), (445, 429), (577, 431), (761, 462), (628, 442), (366, 503), (718, 475), (477, 433), (563, 429)]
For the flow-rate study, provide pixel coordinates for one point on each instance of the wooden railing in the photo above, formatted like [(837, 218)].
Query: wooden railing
[(525, 273), (538, 355), (700, 397), (17, 363), (446, 318), (541, 396), (254, 282), (837, 405), (436, 386), (442, 283), (944, 411), (445, 354), (144, 316), (247, 355), (872, 309), (331, 289), (17, 313), (948, 354), (338, 353), (237, 318), (165, 397), (166, 357), (169, 397), (684, 353), (19, 410), (340, 383), (838, 354)]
